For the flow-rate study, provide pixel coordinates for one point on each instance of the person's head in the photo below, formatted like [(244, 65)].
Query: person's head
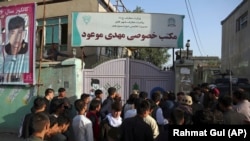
[(62, 92), (156, 96), (195, 96), (171, 96), (95, 105), (152, 105), (39, 105), (112, 92), (225, 102), (198, 90), (143, 108), (98, 93), (132, 98), (239, 95), (63, 123), (49, 93), (54, 128), (40, 123), (57, 106), (204, 87), (86, 98), (180, 95), (16, 33), (177, 117), (214, 93), (116, 109), (80, 106), (143, 95)]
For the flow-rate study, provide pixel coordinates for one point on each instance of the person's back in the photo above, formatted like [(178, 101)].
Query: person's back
[(26, 130), (242, 105), (231, 117), (106, 105), (135, 129), (38, 106), (82, 126)]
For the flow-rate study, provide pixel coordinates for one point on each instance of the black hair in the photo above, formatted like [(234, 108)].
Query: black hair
[(143, 95), (143, 106), (132, 98), (94, 104), (156, 96), (240, 94), (48, 90), (98, 92), (116, 106), (16, 22), (53, 120), (62, 119), (61, 90), (84, 96), (111, 90), (38, 103), (79, 105), (56, 104), (38, 121), (176, 116), (225, 100)]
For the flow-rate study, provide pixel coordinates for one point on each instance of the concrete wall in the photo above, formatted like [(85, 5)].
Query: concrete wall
[(184, 76), (16, 101), (235, 44)]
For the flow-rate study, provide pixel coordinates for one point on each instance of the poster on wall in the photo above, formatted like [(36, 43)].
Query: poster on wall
[(127, 29), (17, 44)]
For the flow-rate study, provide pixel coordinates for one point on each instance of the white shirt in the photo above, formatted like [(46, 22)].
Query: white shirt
[(82, 128)]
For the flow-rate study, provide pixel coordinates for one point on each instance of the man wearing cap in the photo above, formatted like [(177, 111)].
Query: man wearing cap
[(214, 94)]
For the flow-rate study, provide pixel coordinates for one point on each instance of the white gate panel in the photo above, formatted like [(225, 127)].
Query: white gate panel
[(127, 74)]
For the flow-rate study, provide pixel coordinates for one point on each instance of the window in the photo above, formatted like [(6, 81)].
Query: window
[(111, 51), (56, 31), (241, 22)]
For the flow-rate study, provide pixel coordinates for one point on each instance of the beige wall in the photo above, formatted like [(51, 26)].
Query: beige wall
[(235, 45)]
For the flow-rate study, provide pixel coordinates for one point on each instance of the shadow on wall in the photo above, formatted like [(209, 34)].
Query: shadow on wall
[(11, 122), (13, 112), (15, 102)]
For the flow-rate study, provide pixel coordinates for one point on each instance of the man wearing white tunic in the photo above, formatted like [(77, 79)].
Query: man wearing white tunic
[(82, 126)]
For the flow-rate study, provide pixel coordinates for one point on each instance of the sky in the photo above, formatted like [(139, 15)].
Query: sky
[(204, 32)]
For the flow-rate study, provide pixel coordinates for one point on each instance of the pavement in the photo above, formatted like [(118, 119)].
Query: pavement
[(8, 136)]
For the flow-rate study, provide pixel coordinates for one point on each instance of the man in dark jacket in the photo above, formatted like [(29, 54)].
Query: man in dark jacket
[(135, 129), (106, 106)]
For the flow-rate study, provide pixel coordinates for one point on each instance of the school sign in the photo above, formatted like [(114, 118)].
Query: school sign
[(127, 29)]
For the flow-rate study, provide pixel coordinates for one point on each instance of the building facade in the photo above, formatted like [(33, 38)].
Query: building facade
[(235, 43), (57, 17)]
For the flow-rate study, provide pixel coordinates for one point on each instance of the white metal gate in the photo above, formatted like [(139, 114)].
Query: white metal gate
[(127, 74)]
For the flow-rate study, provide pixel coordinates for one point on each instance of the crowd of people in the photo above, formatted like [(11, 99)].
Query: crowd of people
[(143, 117)]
